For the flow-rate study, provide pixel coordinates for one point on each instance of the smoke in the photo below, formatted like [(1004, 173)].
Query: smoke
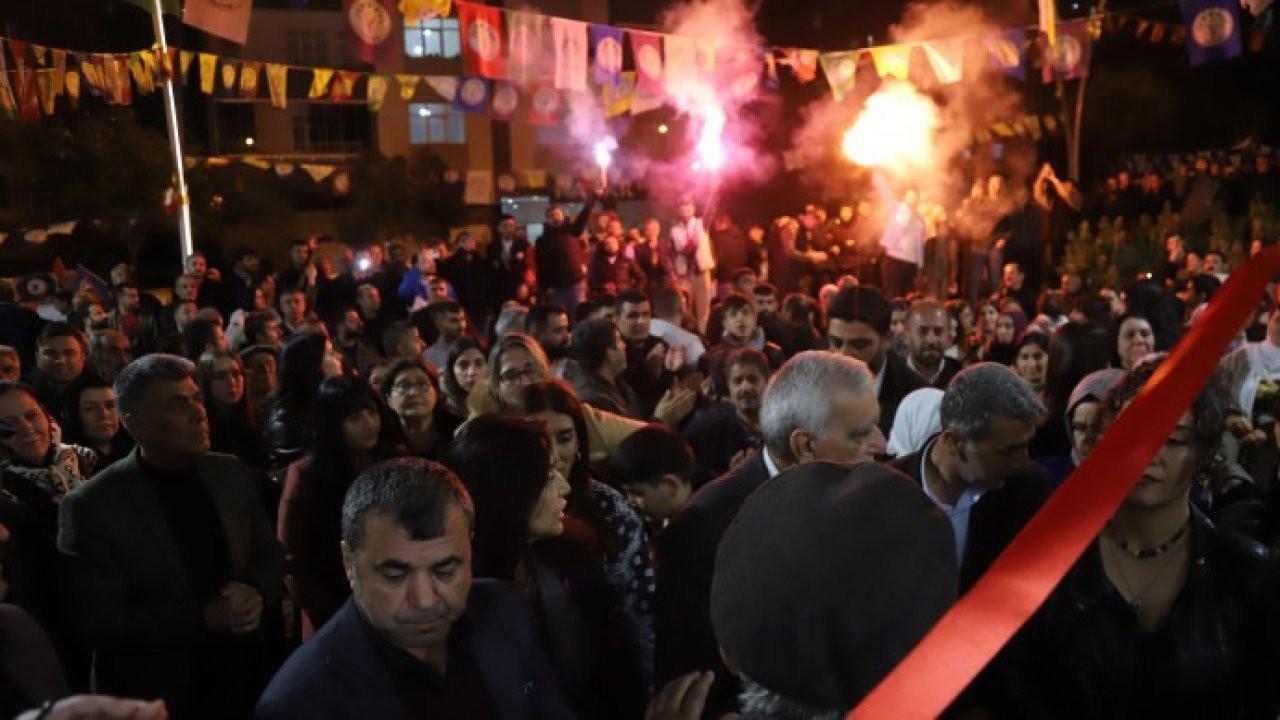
[(973, 103)]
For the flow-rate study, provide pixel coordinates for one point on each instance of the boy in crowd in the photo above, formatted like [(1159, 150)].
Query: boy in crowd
[(655, 467)]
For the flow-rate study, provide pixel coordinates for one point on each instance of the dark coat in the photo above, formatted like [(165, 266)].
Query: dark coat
[(899, 382), (510, 274), (558, 253), (685, 554), (127, 589), (339, 674)]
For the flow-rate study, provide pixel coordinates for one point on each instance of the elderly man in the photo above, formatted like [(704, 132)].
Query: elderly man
[(418, 637), (819, 406), (978, 470), (171, 560)]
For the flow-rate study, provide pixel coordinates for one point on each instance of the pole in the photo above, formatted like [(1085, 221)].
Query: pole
[(175, 136)]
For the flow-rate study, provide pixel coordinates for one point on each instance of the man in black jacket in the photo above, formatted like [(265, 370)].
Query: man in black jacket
[(926, 337), (978, 469), (859, 326), (418, 637), (510, 258), (560, 259), (819, 406)]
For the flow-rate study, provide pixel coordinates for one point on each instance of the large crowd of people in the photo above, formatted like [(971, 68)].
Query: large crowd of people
[(673, 471)]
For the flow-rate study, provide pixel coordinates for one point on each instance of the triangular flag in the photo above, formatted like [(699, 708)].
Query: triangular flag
[(318, 173), (841, 69), (71, 81), (29, 95), (681, 56), (256, 163), (184, 63), (278, 84), (1143, 25), (284, 169), (141, 77), (506, 100), (39, 52), (473, 95), (446, 86), (1006, 49), (946, 57), (570, 37), (320, 78), (8, 101), (617, 98), (1158, 31), (376, 91), (408, 84), (607, 43), (48, 91), (208, 69), (249, 79), (119, 91), (892, 60), (803, 63), (344, 85), (528, 47), (59, 69), (646, 48), (545, 106), (483, 51), (229, 70)]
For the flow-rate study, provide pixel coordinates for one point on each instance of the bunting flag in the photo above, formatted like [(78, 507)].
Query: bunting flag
[(59, 68), (1213, 30), (646, 48), (892, 60), (1048, 12), (446, 86), (141, 77), (528, 47), (681, 61), (208, 66), (545, 106), (482, 43), (946, 57), (1069, 57), (570, 37), (1158, 32), (419, 10), (506, 100), (607, 43), (47, 90), (70, 81), (617, 97), (803, 63), (318, 173), (256, 163), (38, 51), (376, 91), (28, 95), (278, 84), (370, 24), (320, 78), (228, 20), (1006, 49), (408, 86), (249, 79), (473, 95), (8, 101), (118, 90), (344, 85), (229, 71), (184, 63), (841, 69)]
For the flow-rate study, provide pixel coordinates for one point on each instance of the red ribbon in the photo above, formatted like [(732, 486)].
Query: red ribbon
[(977, 626)]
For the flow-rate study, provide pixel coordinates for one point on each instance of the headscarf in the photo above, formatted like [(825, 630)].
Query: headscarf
[(1006, 353), (916, 421), (1091, 388)]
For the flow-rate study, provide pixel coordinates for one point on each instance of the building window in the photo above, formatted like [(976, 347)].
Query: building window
[(436, 124), (437, 37), (330, 128), (236, 127), (308, 48)]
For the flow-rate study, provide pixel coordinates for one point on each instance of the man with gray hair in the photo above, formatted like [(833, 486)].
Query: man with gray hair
[(820, 406), (978, 470)]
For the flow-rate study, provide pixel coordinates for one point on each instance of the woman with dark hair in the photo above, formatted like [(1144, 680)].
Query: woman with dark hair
[(522, 535), (410, 389), (1002, 347), (95, 422), (1075, 350), (966, 342), (306, 359), (616, 524), (1151, 300), (1132, 339), (462, 370), (1031, 358), (233, 426), (1165, 615), (351, 434), (202, 335)]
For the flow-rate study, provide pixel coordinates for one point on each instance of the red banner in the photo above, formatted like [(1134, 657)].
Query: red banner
[(484, 49), (225, 18)]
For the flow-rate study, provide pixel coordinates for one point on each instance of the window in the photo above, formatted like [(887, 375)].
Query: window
[(236, 127), (308, 48), (436, 124), (437, 37), (330, 128)]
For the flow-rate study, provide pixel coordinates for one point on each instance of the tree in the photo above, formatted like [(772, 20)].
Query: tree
[(398, 195)]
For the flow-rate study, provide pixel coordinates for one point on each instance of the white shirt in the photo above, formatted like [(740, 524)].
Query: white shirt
[(958, 514), (692, 243), (769, 465), (674, 335)]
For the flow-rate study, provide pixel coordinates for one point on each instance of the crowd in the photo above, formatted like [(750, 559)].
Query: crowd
[(675, 471)]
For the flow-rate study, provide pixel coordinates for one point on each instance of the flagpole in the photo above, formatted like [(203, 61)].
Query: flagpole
[(175, 134)]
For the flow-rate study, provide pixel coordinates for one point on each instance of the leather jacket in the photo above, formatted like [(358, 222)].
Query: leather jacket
[(1216, 655)]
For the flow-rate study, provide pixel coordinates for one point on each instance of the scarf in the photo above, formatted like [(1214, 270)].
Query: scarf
[(68, 468)]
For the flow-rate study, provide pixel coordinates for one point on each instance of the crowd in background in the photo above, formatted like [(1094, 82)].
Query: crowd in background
[(535, 478)]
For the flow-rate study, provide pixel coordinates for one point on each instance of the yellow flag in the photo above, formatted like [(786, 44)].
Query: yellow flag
[(141, 77), (72, 82), (249, 79), (48, 91), (229, 76), (892, 60), (320, 78), (377, 91), (208, 66), (258, 163), (408, 84), (184, 62), (278, 84), (617, 98)]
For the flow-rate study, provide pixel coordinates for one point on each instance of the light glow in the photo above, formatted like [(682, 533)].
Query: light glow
[(894, 131)]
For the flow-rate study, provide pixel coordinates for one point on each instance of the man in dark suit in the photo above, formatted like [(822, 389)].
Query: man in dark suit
[(819, 406), (858, 325), (171, 558), (978, 469), (418, 638), (511, 260), (928, 334)]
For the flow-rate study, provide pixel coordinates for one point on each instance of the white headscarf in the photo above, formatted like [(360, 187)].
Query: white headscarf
[(917, 420)]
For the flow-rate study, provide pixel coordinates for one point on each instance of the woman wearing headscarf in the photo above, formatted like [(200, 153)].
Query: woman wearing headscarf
[(1003, 346)]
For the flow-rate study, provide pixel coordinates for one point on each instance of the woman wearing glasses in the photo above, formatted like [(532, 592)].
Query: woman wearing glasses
[(411, 391)]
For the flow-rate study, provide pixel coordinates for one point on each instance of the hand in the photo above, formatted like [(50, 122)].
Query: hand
[(681, 699), (101, 707), (246, 607), (656, 358), (312, 272), (675, 405), (1046, 171), (675, 358), (1240, 427), (213, 274)]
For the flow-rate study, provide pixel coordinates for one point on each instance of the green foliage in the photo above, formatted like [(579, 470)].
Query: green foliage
[(398, 195), (240, 203)]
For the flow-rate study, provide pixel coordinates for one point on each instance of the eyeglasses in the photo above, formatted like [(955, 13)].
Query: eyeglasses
[(515, 375), (404, 388)]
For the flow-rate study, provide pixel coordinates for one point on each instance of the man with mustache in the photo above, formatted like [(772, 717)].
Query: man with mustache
[(418, 637), (725, 432), (926, 335)]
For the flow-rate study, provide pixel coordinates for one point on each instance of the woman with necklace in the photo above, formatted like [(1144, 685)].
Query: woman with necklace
[(1166, 614)]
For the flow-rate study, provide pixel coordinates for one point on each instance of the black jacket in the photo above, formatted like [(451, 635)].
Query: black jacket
[(899, 381), (950, 366), (1217, 654), (685, 554), (509, 275), (558, 253), (339, 674)]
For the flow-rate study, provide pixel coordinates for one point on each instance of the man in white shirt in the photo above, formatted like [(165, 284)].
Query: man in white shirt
[(694, 261), (668, 310)]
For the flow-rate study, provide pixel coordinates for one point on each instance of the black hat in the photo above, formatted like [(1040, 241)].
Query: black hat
[(828, 577)]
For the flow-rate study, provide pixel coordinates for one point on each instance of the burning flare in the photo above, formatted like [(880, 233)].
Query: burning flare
[(894, 131), (710, 148)]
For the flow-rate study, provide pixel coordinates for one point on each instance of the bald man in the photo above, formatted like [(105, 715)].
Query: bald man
[(928, 334)]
